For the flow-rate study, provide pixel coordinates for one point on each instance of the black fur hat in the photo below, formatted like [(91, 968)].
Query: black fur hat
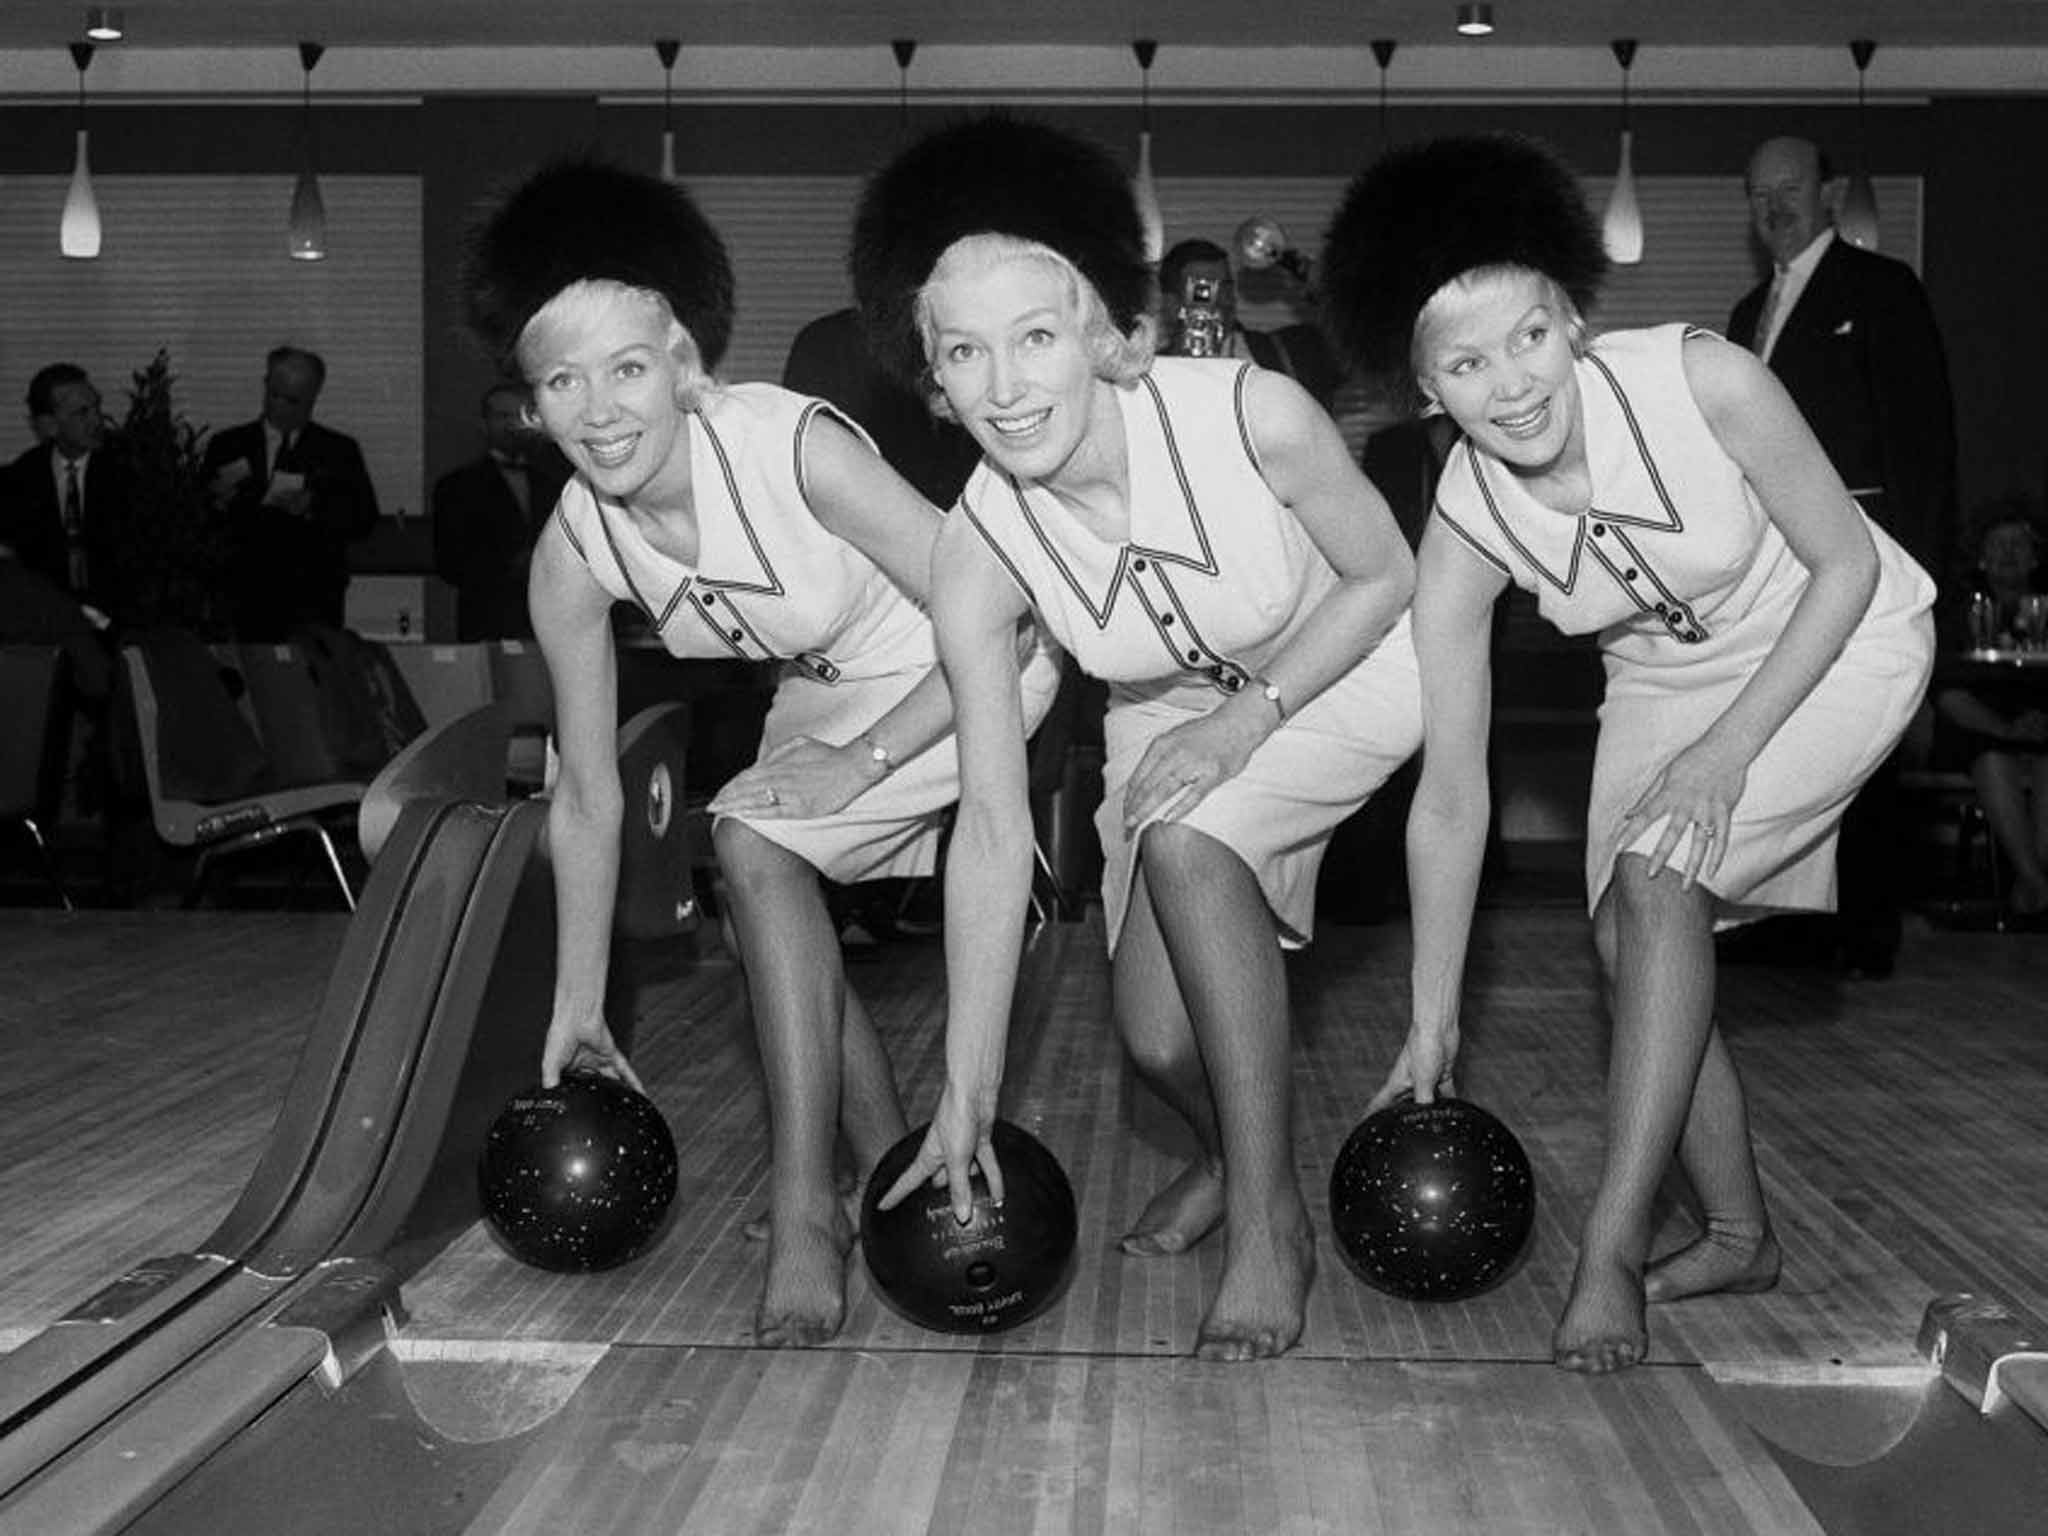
[(1421, 215), (992, 174), (583, 219)]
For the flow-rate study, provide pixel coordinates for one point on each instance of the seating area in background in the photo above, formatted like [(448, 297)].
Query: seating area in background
[(238, 752)]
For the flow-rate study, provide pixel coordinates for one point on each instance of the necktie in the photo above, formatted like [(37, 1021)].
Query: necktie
[(74, 527), (516, 482), (1767, 317)]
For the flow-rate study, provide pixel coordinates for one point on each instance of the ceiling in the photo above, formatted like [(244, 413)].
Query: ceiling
[(215, 24)]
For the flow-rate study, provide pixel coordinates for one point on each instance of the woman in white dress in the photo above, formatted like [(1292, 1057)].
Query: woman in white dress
[(1765, 645), (744, 521), (1194, 533)]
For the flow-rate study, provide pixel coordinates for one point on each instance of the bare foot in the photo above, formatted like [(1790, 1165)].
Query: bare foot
[(1602, 1328), (1257, 1313), (762, 1222), (803, 1298), (1736, 1258), (1179, 1216)]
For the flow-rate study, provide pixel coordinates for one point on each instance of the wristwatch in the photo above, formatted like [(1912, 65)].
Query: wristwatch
[(1270, 692)]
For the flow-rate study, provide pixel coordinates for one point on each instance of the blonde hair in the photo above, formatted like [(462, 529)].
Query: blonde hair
[(1578, 335), (1122, 358), (694, 382)]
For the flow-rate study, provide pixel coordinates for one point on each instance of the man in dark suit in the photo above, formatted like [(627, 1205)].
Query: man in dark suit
[(1852, 337), (295, 494), (487, 514), (64, 504)]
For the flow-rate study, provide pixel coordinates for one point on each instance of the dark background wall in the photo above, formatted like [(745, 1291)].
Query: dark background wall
[(1983, 163)]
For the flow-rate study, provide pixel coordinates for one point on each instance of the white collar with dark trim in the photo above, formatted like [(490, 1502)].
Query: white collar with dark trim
[(1621, 469), (1164, 527)]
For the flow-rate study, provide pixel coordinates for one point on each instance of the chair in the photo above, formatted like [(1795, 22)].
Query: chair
[(448, 681), (254, 814), (284, 700), (1952, 795), (32, 701)]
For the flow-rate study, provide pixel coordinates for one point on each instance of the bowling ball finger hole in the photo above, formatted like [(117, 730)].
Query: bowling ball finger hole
[(981, 1275)]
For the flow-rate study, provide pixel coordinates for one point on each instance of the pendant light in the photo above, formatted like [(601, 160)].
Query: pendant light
[(904, 49), (1383, 54), (78, 236), (306, 237), (1144, 49), (667, 49), (1621, 226), (1856, 220)]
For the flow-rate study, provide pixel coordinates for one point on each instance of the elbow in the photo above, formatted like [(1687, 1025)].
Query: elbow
[(1856, 571)]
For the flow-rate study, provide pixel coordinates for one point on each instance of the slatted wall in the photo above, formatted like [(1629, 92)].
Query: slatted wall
[(197, 264)]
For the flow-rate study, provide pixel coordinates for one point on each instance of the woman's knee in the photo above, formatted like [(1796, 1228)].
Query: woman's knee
[(1642, 897), (1178, 857), (748, 860), (1159, 1041)]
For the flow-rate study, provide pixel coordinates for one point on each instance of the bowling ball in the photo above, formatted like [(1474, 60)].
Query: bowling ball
[(1004, 1267), (579, 1176), (1432, 1202)]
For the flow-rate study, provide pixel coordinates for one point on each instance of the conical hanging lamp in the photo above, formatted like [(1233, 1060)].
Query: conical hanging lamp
[(904, 49), (78, 235), (1856, 220), (1144, 49), (306, 236), (668, 49), (1383, 54), (1621, 225)]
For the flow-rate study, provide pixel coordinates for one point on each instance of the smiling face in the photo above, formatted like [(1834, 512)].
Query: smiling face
[(610, 367), (1787, 197), (1008, 335), (1494, 350)]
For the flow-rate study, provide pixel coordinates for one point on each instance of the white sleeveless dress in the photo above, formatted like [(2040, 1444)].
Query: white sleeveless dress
[(771, 583), (1212, 582), (1688, 584)]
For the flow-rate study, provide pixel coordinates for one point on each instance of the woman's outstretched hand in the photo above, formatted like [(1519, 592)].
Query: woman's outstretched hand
[(957, 1141), (584, 1044), (1422, 1070)]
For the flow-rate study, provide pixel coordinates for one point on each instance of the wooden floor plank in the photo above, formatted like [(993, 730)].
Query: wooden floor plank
[(1903, 1140)]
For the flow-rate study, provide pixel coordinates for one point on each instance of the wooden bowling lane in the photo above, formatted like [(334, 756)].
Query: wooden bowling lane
[(142, 1060), (872, 1441), (1901, 1130), (1903, 1156)]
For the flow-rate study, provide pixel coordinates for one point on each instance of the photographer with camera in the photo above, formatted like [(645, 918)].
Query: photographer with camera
[(1200, 320)]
